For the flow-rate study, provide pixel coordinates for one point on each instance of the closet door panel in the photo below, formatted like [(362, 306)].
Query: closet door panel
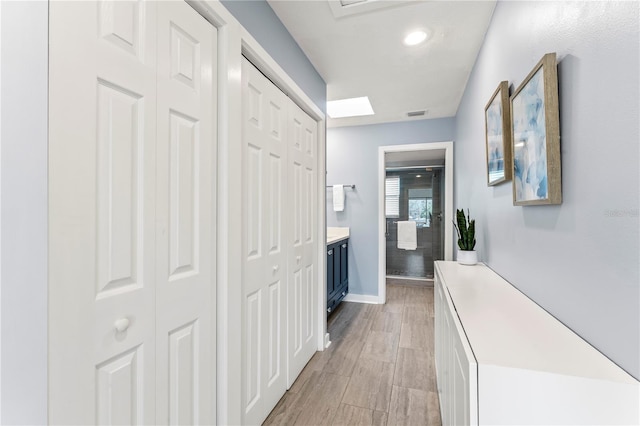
[(184, 257), (303, 282), (101, 212), (264, 264)]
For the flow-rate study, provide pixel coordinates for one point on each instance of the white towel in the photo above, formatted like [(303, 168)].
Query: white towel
[(338, 198), (407, 235)]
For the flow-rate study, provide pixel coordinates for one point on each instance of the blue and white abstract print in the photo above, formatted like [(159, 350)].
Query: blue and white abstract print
[(529, 141), (495, 146)]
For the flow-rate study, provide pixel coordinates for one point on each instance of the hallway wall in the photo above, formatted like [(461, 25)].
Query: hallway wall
[(23, 246), (578, 260), (257, 17), (352, 158)]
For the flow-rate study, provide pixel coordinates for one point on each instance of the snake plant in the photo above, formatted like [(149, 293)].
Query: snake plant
[(466, 229)]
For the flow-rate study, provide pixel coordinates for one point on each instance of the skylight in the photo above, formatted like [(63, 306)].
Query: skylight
[(352, 107)]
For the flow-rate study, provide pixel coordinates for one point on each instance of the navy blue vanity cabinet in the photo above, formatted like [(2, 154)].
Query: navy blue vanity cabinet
[(337, 273)]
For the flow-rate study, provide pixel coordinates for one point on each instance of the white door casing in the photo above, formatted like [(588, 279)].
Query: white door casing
[(302, 212), (447, 206), (263, 238), (130, 340), (185, 216)]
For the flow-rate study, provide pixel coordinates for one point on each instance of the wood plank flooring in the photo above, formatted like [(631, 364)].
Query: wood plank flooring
[(379, 369)]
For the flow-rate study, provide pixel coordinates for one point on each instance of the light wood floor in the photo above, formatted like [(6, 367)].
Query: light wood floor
[(379, 369)]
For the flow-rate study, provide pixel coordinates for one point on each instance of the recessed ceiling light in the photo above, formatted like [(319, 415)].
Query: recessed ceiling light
[(415, 37), (352, 107)]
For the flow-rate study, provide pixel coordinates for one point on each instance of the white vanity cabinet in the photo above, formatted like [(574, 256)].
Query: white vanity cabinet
[(502, 359)]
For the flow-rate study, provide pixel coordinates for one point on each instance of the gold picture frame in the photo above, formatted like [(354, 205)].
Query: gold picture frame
[(497, 122), (535, 137)]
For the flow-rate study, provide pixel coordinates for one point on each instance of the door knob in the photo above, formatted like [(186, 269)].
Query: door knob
[(122, 324), (275, 269)]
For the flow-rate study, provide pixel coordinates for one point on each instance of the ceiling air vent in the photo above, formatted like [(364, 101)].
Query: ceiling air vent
[(416, 113), (342, 8)]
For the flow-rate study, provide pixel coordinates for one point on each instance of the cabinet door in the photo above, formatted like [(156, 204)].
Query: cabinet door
[(456, 368), (336, 268), (344, 265), (440, 347), (460, 380), (330, 267)]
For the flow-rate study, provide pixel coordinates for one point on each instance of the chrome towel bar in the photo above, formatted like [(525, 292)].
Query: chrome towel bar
[(346, 186)]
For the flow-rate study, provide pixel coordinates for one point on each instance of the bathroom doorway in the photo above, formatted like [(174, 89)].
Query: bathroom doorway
[(415, 184), (414, 194)]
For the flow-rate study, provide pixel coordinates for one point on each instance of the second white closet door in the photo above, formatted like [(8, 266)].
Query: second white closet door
[(302, 245), (263, 245), (279, 248)]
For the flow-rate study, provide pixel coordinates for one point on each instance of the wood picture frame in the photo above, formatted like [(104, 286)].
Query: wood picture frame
[(497, 122), (535, 137)]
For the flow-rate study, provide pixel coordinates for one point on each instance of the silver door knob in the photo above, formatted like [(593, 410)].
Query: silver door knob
[(122, 324)]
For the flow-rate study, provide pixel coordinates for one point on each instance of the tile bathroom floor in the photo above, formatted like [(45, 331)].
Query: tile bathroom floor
[(379, 369)]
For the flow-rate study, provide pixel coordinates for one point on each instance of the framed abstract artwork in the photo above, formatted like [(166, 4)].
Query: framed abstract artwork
[(497, 119), (535, 137)]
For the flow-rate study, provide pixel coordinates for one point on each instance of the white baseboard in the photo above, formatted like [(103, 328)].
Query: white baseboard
[(327, 341), (362, 298)]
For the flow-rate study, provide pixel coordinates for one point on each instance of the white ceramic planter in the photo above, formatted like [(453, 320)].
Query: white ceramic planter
[(467, 257)]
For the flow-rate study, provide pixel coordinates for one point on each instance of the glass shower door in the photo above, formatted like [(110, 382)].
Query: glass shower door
[(419, 199)]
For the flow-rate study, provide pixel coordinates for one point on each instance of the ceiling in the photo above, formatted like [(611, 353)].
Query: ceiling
[(358, 51)]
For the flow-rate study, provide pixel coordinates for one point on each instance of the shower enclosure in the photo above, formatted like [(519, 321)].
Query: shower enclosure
[(414, 194)]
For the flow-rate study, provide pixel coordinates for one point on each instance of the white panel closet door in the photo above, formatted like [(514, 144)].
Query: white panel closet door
[(109, 171), (185, 216), (264, 264), (102, 124), (302, 218)]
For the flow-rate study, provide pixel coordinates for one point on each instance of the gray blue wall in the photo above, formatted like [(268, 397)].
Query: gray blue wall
[(23, 210), (579, 260), (352, 158), (257, 17)]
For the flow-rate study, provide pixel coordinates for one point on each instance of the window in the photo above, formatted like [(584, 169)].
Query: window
[(392, 196), (420, 206)]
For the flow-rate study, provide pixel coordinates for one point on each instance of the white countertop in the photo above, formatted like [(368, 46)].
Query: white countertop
[(335, 234), (506, 328)]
